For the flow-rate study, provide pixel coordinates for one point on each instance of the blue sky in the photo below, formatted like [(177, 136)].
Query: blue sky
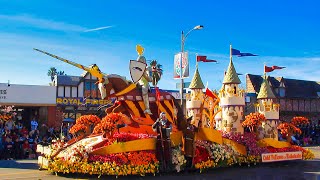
[(282, 33)]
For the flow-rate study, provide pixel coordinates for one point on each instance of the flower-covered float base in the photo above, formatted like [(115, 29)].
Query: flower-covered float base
[(106, 152), (99, 160), (102, 158), (213, 155), (132, 163)]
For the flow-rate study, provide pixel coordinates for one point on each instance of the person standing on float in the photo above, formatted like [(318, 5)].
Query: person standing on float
[(144, 81), (189, 146), (163, 128)]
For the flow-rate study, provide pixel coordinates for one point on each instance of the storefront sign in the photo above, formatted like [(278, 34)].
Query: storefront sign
[(3, 93), (27, 95), (82, 101), (283, 156)]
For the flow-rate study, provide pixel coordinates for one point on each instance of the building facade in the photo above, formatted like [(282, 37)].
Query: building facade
[(78, 95), (296, 97), (30, 101)]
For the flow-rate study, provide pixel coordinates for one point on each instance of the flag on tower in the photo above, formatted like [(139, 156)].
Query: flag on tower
[(210, 93), (272, 68), (204, 59), (240, 54)]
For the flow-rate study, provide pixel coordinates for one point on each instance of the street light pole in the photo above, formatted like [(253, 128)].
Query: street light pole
[(183, 39)]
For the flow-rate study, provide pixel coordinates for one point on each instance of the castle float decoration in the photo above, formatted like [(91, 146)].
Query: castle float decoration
[(195, 99), (232, 102), (267, 106), (114, 147)]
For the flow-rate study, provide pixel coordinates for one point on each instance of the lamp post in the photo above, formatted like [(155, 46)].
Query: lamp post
[(183, 39)]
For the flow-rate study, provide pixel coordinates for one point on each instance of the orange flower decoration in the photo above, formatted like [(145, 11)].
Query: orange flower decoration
[(77, 128), (253, 120), (299, 120), (88, 119), (109, 123), (288, 129)]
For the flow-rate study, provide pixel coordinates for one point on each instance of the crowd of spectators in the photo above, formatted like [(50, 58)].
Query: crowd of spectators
[(310, 136), (19, 142)]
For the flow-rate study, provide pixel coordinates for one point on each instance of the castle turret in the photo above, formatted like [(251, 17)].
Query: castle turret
[(231, 101), (195, 98), (267, 106)]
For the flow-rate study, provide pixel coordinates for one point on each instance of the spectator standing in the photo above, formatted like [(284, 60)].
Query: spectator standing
[(26, 148), (34, 124), (43, 131), (10, 124), (8, 150), (17, 149)]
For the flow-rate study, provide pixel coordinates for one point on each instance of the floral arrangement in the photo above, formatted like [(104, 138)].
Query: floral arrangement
[(249, 140), (210, 155), (77, 128), (253, 120), (124, 137), (135, 157), (109, 123), (78, 153), (178, 159), (251, 159), (55, 146), (129, 163), (287, 129), (299, 120), (98, 168), (88, 120), (83, 124)]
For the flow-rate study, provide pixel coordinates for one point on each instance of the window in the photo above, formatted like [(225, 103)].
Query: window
[(87, 88), (91, 90), (94, 90)]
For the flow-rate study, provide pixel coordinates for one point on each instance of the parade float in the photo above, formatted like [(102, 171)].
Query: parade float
[(212, 133)]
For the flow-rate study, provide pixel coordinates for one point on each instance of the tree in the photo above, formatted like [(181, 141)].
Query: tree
[(157, 72), (52, 72), (61, 73)]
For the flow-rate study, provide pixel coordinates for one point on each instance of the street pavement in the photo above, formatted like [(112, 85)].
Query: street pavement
[(289, 170)]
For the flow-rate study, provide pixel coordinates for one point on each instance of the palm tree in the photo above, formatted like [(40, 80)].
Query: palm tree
[(156, 72), (160, 70), (61, 73), (52, 72)]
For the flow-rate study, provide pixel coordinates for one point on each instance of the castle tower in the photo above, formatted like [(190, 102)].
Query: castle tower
[(270, 109), (195, 99), (231, 102)]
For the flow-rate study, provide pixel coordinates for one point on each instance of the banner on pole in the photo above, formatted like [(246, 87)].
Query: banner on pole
[(178, 58)]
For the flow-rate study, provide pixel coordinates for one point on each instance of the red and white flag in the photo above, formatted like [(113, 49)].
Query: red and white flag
[(204, 59), (272, 68)]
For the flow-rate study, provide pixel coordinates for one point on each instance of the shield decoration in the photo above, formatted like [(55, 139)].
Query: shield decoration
[(137, 69)]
